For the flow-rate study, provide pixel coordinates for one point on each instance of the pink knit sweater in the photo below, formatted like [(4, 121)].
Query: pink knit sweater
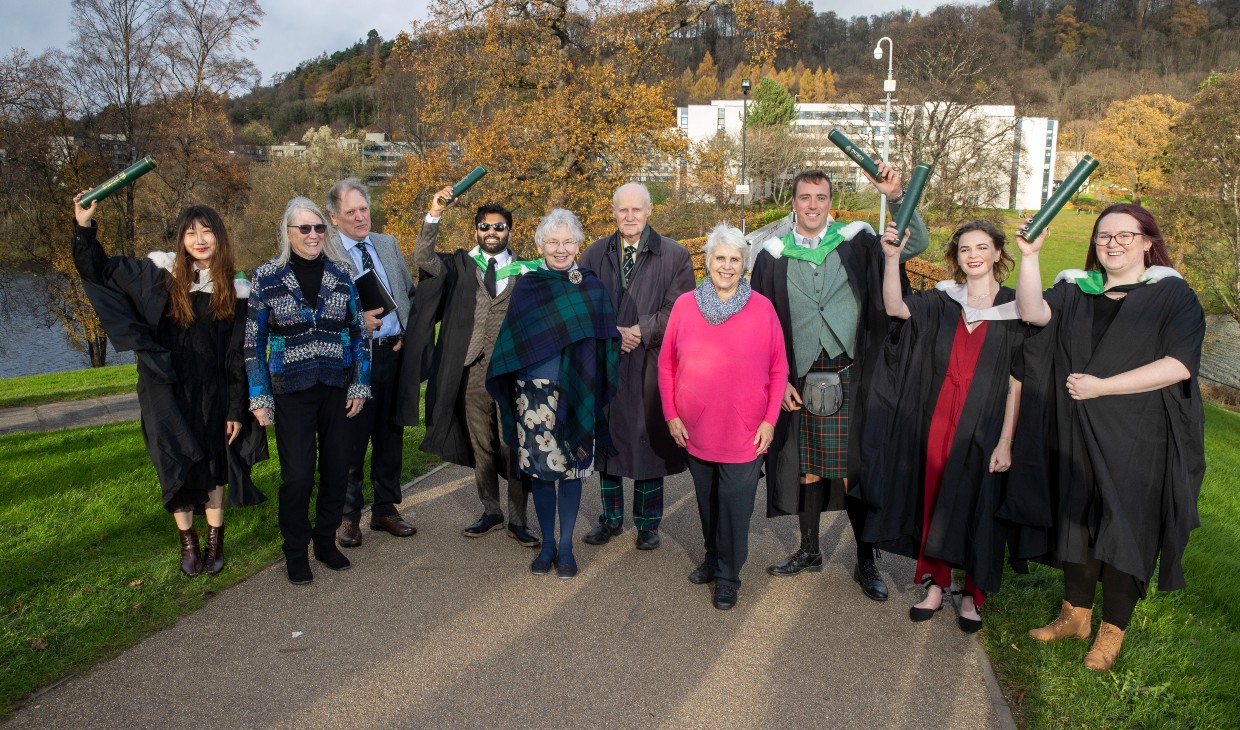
[(723, 381)]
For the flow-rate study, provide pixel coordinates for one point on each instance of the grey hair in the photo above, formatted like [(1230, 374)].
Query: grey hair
[(632, 186), (332, 248), (338, 190), (555, 220), (728, 236)]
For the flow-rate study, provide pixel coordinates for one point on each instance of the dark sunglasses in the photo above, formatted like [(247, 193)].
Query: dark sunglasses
[(305, 228), (499, 227)]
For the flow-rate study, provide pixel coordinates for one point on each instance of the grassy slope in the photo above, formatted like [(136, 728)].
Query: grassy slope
[(74, 385), (1180, 663), (91, 559)]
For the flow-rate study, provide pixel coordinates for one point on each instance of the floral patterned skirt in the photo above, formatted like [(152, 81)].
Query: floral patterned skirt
[(538, 452)]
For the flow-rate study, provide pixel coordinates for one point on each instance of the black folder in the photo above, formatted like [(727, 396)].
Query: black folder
[(373, 294)]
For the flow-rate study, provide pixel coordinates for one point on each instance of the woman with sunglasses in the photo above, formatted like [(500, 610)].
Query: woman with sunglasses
[(1109, 453), (309, 369), (183, 314)]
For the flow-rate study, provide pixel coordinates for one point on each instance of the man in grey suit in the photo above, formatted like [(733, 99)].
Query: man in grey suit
[(348, 205)]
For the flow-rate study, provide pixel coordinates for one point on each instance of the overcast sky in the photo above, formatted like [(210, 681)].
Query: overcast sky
[(293, 31)]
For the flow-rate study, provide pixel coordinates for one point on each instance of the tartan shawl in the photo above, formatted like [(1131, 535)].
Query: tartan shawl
[(548, 315)]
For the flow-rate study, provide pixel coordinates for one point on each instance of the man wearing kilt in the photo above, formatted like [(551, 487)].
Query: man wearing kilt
[(825, 280)]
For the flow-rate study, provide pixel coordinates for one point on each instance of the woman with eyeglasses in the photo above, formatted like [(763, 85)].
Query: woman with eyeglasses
[(553, 371), (309, 369), (1109, 454), (182, 313)]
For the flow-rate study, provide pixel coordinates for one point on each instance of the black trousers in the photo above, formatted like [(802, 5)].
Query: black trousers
[(311, 429), (725, 497), (375, 426)]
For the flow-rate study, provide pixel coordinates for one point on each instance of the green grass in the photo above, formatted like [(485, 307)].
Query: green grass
[(32, 390), (1180, 664), (91, 559)]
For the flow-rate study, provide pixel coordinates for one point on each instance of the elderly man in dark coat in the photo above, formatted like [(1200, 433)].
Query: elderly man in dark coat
[(644, 273)]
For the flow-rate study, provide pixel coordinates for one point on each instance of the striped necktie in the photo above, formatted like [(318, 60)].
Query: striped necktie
[(367, 262), (630, 259)]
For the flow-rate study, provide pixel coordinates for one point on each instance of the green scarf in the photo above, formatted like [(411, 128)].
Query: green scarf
[(516, 268), (831, 239)]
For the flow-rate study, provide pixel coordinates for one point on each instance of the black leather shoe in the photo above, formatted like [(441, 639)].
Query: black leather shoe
[(872, 585), (703, 575), (394, 525), (647, 539), (485, 524), (298, 570), (969, 625), (797, 562), (523, 536), (349, 535), (725, 597), (331, 556), (602, 534)]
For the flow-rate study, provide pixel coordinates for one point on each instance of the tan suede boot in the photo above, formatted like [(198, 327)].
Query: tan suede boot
[(1106, 648), (1072, 621)]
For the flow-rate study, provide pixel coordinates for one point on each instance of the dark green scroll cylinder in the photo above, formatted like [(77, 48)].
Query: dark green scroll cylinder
[(1059, 198), (467, 182), (912, 196), (119, 180), (852, 150)]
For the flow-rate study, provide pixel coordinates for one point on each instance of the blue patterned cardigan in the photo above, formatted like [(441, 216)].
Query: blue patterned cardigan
[(290, 347)]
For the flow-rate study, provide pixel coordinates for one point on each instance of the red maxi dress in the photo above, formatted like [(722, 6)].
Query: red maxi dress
[(966, 349)]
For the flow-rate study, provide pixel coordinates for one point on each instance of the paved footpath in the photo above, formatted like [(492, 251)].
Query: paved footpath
[(441, 631), (70, 414)]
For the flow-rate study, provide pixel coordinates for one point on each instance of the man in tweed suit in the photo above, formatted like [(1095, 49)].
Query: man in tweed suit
[(466, 293), (348, 205)]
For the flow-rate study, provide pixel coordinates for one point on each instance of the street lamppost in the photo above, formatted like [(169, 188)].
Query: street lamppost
[(889, 86), (745, 86)]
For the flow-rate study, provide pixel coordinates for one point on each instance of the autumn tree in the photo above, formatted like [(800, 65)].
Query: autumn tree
[(561, 101), (1128, 141), (1200, 202)]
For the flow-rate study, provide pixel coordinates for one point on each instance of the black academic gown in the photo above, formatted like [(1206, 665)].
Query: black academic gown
[(863, 261), (1118, 475), (130, 296), (904, 390)]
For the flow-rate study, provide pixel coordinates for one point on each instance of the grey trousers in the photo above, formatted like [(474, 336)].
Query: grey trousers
[(491, 455), (725, 497)]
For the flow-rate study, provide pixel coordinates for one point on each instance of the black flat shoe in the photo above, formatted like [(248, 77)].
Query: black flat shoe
[(540, 567), (923, 614), (703, 575), (647, 539), (969, 625), (331, 556), (566, 570)]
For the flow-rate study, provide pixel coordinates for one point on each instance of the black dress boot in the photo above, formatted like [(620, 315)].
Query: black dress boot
[(807, 557), (215, 549), (191, 553)]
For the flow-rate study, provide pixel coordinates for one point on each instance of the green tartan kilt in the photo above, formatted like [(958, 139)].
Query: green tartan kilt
[(823, 440)]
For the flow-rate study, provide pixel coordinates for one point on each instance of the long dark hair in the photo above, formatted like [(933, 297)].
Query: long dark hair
[(1156, 256), (998, 238), (223, 297)]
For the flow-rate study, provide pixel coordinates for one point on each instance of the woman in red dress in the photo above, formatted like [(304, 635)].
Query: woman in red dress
[(944, 410)]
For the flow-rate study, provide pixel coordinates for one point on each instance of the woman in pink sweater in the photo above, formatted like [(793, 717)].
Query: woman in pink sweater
[(723, 353)]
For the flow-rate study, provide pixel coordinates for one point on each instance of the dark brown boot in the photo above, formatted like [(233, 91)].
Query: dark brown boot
[(215, 549), (191, 554)]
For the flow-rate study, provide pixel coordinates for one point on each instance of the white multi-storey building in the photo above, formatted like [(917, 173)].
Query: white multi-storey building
[(1030, 141)]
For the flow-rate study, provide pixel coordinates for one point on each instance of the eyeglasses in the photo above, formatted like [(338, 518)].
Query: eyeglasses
[(499, 227), (1123, 238), (305, 228), (569, 243)]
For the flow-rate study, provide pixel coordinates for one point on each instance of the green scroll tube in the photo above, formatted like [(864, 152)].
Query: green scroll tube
[(119, 180), (852, 150), (1059, 198), (466, 183), (912, 196)]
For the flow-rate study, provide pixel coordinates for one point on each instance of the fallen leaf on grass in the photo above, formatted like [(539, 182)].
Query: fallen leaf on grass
[(39, 643), (136, 606), (135, 582), (87, 589), (17, 607)]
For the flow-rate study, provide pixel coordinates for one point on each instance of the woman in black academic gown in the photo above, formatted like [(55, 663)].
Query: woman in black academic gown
[(1110, 449), (940, 420), (183, 315)]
